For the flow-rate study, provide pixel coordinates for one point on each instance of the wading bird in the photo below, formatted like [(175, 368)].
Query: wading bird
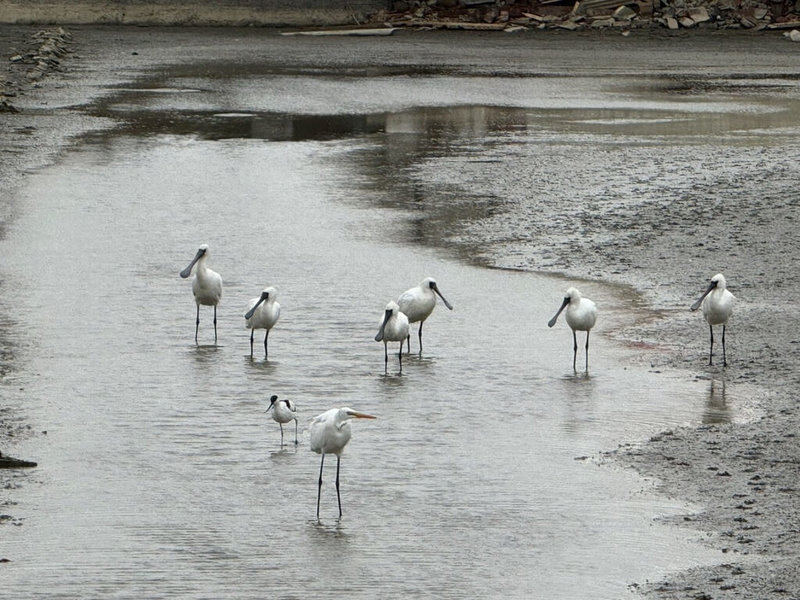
[(285, 411), (263, 313), (717, 304), (394, 328), (206, 286), (330, 433), (418, 303), (581, 316)]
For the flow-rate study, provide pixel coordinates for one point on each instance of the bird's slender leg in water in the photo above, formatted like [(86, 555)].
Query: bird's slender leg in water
[(574, 349), (338, 497), (319, 485)]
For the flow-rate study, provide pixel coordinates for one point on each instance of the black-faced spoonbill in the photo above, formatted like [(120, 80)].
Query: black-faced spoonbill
[(717, 304), (330, 433), (263, 313), (206, 286), (285, 411), (581, 316), (394, 328), (418, 303)]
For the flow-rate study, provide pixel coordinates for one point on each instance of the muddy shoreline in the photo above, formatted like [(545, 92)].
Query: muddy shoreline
[(744, 474)]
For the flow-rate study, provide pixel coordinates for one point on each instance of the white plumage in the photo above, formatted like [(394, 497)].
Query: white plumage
[(206, 286), (417, 304), (581, 315), (263, 312), (394, 328), (330, 433), (717, 303), (284, 412)]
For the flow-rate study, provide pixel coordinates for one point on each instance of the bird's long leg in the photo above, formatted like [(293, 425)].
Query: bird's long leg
[(295, 432), (385, 357), (574, 349), (197, 324), (724, 358), (711, 349), (408, 343), (319, 485), (587, 350), (338, 497), (252, 331), (281, 426), (266, 352), (400, 356), (215, 323), (420, 337)]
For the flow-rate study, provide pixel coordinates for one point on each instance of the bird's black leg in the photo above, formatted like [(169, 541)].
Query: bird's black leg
[(281, 426), (400, 356), (587, 350), (295, 432), (408, 343), (252, 331), (215, 323), (385, 358), (266, 352), (420, 337), (338, 497), (319, 485), (711, 349), (724, 358), (197, 324), (574, 349)]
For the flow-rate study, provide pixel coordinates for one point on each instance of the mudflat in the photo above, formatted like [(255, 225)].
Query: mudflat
[(745, 475)]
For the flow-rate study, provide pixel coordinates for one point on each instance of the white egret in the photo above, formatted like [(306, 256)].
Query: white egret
[(263, 312), (717, 304), (581, 316), (330, 433), (285, 411), (206, 286), (394, 328), (418, 303)]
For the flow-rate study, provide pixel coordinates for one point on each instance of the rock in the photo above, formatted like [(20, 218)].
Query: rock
[(624, 13), (686, 22), (672, 23), (793, 35), (699, 14)]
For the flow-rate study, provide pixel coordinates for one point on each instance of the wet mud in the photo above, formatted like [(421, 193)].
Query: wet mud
[(743, 474)]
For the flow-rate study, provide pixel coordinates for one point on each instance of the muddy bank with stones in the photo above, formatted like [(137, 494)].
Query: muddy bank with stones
[(744, 474)]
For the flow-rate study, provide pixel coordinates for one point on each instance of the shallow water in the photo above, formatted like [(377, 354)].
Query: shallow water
[(161, 476)]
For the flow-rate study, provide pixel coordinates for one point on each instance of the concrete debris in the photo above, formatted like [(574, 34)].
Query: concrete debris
[(574, 15)]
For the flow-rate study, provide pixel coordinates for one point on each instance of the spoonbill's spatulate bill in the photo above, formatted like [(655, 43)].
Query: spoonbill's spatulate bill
[(394, 328), (581, 316), (717, 303), (263, 312), (418, 303), (206, 286), (284, 411), (330, 433)]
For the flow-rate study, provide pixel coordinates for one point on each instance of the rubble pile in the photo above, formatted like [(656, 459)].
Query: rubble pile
[(42, 55), (594, 14)]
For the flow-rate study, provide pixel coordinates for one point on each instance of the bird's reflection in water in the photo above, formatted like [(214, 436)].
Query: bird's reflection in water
[(717, 411)]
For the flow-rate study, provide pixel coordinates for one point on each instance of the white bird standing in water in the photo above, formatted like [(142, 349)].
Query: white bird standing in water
[(394, 328), (330, 433), (418, 303), (263, 312), (285, 411), (206, 286), (581, 316), (717, 304)]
